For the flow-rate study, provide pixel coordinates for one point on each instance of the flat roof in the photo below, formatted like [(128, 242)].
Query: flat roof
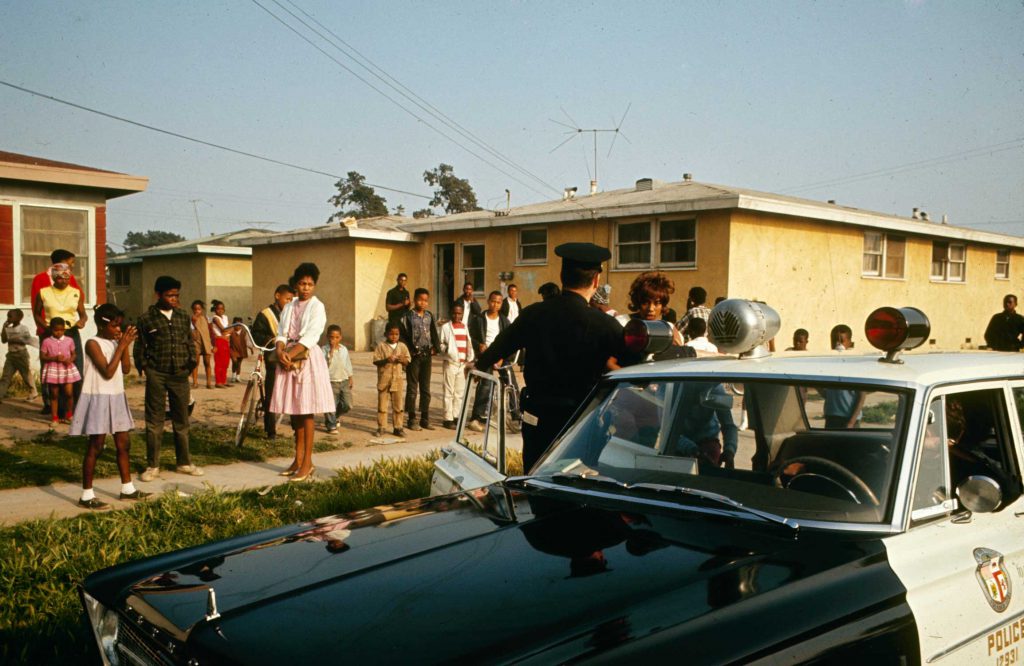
[(31, 169), (688, 197), (383, 228)]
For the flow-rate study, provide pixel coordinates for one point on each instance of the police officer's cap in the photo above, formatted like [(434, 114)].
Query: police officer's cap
[(585, 255)]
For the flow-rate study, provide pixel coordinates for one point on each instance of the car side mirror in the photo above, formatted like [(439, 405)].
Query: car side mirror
[(980, 494), (715, 400)]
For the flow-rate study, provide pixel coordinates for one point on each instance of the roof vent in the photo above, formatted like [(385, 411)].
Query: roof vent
[(915, 214), (644, 184), (924, 215), (832, 201), (569, 193), (687, 177)]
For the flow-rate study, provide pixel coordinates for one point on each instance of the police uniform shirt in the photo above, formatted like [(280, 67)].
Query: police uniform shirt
[(568, 344)]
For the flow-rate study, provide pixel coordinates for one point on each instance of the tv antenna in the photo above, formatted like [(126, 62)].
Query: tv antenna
[(574, 130)]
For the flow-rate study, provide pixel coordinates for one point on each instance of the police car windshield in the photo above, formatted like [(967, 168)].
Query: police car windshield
[(810, 451)]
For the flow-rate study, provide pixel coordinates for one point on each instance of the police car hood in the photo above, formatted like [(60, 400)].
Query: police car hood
[(496, 575)]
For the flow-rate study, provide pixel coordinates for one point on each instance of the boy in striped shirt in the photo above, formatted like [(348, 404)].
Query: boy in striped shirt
[(456, 352)]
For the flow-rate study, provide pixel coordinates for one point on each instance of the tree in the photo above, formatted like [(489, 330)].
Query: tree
[(422, 213), (140, 240), (354, 191), (454, 194)]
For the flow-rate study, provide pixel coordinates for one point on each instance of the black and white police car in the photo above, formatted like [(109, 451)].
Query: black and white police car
[(870, 512)]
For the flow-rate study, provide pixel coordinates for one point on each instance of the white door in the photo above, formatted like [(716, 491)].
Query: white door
[(964, 573)]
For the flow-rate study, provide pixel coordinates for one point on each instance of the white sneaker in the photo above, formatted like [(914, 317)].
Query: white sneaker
[(476, 425), (190, 469), (150, 474)]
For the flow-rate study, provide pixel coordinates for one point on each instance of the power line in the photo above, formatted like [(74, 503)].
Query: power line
[(392, 99), (210, 144), (1012, 144), (409, 94)]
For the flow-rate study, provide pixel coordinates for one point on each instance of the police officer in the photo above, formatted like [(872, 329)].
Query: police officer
[(568, 345)]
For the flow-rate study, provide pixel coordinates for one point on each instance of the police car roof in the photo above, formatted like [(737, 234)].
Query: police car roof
[(922, 369)]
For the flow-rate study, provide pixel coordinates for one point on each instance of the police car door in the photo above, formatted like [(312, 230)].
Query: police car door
[(475, 460), (964, 572)]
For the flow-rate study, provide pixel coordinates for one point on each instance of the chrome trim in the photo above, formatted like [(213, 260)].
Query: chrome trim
[(858, 528), (973, 637)]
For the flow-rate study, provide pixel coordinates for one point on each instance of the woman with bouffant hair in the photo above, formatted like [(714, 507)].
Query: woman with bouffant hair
[(302, 385), (649, 296)]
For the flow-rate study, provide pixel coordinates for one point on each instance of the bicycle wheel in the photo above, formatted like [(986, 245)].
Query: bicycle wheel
[(248, 417), (513, 417)]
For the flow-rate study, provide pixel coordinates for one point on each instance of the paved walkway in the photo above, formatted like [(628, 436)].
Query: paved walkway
[(220, 407)]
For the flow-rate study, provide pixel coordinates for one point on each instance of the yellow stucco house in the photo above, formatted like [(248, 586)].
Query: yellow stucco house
[(817, 263)]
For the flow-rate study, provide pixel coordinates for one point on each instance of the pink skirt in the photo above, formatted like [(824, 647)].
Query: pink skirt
[(307, 391), (55, 372)]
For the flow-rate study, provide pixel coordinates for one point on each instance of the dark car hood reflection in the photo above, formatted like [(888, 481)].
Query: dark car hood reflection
[(493, 574)]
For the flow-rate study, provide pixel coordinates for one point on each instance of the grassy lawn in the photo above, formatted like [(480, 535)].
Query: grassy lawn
[(42, 561), (49, 458)]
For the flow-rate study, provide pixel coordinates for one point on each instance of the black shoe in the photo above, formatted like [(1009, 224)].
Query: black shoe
[(399, 432), (448, 424), (414, 426), (94, 504), (137, 495), (272, 434), (426, 425)]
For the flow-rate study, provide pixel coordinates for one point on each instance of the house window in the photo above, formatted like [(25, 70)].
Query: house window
[(45, 229), (949, 261), (672, 242), (633, 244), (533, 246), (883, 255), (122, 276), (473, 267), (1003, 264)]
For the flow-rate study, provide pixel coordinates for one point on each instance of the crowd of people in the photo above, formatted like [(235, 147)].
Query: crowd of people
[(570, 337)]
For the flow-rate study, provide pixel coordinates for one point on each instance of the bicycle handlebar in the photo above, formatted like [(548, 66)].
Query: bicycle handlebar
[(251, 339)]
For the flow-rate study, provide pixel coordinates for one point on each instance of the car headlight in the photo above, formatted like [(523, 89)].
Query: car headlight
[(104, 624)]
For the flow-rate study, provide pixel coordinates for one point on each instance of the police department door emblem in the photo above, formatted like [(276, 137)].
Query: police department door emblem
[(993, 578)]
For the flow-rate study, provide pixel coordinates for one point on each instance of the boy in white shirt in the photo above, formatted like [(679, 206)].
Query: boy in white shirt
[(456, 352), (339, 367), (696, 331)]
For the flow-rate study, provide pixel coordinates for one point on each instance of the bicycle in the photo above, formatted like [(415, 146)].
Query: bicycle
[(255, 393), (510, 387)]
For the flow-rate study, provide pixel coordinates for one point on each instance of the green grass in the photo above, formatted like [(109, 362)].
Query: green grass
[(42, 561), (883, 412), (49, 458)]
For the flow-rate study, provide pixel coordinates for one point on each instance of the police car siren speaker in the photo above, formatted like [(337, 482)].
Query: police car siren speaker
[(651, 337), (743, 327), (893, 330)]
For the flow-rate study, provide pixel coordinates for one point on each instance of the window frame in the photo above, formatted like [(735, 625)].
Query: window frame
[(883, 255), (478, 289), (655, 244), (944, 274), (87, 269), (1005, 273), (520, 260)]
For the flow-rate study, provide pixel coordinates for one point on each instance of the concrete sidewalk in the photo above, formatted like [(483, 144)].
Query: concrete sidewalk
[(20, 420), (61, 500)]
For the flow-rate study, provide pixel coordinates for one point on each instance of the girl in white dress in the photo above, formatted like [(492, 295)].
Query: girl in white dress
[(103, 407)]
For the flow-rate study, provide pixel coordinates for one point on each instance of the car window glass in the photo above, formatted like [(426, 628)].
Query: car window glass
[(686, 433), (931, 490), (978, 438)]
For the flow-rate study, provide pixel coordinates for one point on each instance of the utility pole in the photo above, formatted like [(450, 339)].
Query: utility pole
[(195, 210)]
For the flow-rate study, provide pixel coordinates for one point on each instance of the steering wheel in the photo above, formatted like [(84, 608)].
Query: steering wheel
[(833, 472)]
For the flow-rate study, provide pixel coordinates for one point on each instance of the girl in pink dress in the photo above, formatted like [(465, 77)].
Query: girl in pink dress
[(221, 343), (59, 374), (302, 386)]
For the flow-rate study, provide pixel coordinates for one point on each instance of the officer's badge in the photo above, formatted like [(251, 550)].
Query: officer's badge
[(993, 578)]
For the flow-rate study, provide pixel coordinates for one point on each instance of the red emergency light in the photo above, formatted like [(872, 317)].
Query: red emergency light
[(650, 337), (893, 330)]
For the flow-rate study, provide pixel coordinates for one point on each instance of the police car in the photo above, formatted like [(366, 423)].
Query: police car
[(870, 511)]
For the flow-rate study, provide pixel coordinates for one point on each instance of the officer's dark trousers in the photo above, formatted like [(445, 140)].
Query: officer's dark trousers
[(417, 374), (537, 438), (162, 387)]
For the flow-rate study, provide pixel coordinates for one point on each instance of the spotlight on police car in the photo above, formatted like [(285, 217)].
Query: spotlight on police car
[(743, 327)]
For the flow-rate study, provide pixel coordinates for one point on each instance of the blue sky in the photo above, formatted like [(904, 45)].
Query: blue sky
[(776, 96)]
